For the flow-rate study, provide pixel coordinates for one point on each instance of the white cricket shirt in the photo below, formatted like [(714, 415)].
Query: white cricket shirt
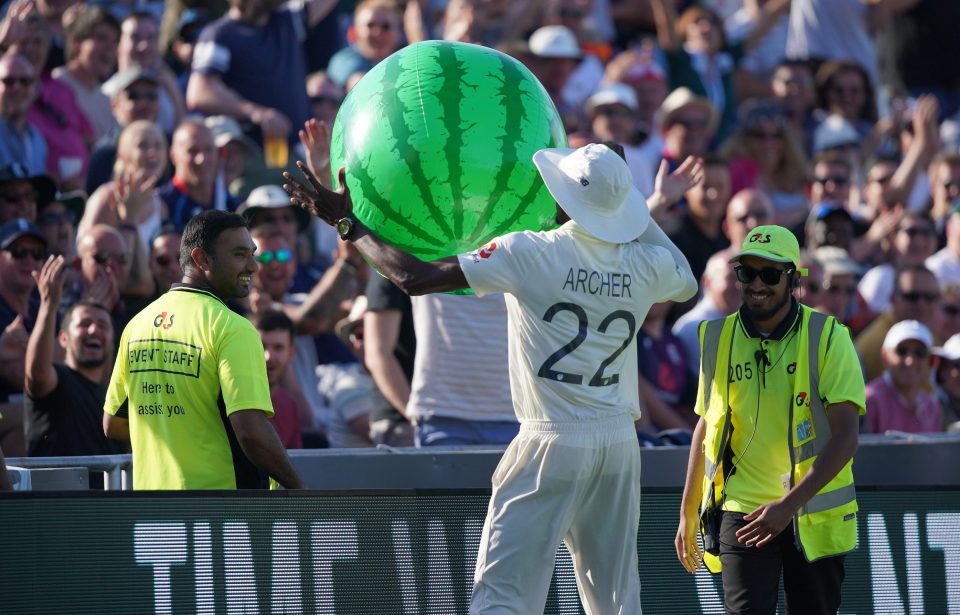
[(574, 306)]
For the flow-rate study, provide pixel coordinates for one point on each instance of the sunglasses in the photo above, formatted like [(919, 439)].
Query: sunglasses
[(280, 256), (920, 353), (278, 219), (163, 260), (19, 253), (325, 100), (762, 135), (51, 218), (838, 180), (14, 196), (915, 296), (835, 290), (102, 258), (768, 275), (916, 231), (135, 96), (24, 81), (950, 309), (689, 123), (613, 111), (386, 26), (852, 90), (759, 216)]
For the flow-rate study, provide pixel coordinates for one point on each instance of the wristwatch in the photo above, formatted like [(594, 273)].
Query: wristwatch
[(345, 226)]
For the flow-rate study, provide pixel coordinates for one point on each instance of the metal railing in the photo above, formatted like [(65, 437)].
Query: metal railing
[(116, 468), (892, 459)]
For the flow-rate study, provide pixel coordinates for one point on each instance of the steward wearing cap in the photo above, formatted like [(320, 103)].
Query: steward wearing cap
[(780, 396)]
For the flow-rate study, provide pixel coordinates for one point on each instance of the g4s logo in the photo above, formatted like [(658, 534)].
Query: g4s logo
[(161, 321), (802, 399), (759, 238)]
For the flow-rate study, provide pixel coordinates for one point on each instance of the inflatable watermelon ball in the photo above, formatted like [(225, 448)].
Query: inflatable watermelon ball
[(437, 141)]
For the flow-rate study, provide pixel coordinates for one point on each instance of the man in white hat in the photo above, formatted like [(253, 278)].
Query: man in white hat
[(576, 297), (898, 400)]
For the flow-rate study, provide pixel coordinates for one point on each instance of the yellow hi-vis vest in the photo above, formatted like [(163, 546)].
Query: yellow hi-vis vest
[(824, 526)]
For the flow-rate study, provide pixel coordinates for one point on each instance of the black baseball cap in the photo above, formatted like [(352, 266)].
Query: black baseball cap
[(43, 184)]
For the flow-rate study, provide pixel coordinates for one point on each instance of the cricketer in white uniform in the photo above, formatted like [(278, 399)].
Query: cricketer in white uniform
[(576, 297)]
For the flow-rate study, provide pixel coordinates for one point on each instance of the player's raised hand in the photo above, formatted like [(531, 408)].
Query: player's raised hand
[(320, 201)]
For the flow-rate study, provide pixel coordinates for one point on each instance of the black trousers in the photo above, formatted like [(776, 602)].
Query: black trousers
[(751, 575)]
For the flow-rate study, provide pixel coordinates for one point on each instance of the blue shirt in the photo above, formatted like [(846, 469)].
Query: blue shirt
[(263, 64), (29, 149), (180, 207), (346, 62)]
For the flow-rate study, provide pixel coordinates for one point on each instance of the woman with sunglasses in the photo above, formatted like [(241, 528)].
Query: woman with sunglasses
[(764, 154), (130, 202)]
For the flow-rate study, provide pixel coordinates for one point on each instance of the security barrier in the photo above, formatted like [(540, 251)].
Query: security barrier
[(412, 550)]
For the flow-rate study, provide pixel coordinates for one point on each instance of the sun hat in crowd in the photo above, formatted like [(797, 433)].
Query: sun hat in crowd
[(613, 94), (226, 129), (836, 261), (42, 183), (681, 98), (950, 350), (834, 131), (773, 243), (594, 186), (907, 330), (18, 228), (555, 42), (271, 197), (125, 78)]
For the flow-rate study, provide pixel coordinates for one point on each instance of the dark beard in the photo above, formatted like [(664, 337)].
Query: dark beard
[(88, 363), (761, 314)]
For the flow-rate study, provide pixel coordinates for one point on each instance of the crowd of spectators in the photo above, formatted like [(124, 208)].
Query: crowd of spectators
[(120, 120)]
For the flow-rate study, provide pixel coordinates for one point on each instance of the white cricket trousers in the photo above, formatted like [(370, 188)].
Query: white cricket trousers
[(576, 482)]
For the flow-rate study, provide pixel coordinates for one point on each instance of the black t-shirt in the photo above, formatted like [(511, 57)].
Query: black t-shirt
[(918, 51), (697, 247), (68, 421), (263, 64), (382, 294)]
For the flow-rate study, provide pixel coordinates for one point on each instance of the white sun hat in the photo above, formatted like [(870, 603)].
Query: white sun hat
[(908, 330), (951, 350), (594, 186), (555, 42)]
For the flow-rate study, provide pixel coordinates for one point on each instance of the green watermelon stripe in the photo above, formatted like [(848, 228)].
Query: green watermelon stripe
[(368, 189), (456, 141), (403, 135), (510, 85), (522, 204)]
